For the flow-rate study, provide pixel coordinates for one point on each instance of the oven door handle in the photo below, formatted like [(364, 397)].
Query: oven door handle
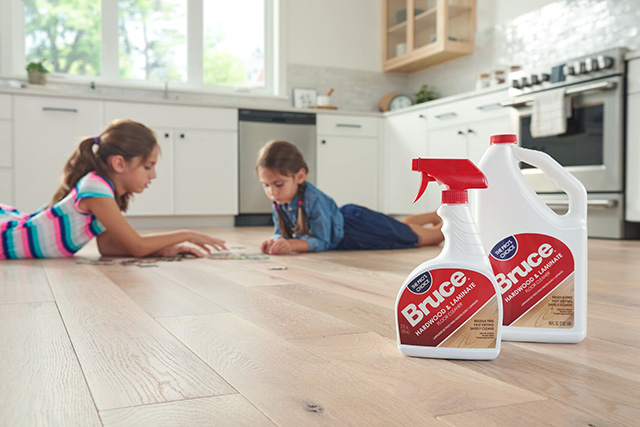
[(521, 102), (594, 202)]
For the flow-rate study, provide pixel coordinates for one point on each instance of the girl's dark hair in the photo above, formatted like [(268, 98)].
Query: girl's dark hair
[(284, 158), (124, 138)]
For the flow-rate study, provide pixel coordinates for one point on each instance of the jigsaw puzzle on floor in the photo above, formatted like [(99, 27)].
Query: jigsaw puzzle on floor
[(237, 255)]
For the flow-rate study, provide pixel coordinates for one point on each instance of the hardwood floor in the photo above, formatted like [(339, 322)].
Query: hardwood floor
[(232, 342)]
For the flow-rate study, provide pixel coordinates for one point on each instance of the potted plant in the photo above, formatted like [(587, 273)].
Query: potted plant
[(37, 72), (425, 94)]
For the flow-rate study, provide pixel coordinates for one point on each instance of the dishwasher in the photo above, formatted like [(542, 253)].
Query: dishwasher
[(255, 129)]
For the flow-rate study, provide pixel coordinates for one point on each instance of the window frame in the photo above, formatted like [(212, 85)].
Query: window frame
[(12, 47)]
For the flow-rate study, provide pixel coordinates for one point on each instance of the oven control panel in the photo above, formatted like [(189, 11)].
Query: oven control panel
[(578, 70)]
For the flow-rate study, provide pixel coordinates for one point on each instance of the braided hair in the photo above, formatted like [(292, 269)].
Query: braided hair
[(286, 159)]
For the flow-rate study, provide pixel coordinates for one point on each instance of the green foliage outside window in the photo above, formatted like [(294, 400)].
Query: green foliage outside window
[(67, 34)]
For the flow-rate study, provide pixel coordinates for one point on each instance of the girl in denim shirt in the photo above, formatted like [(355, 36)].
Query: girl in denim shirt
[(307, 220)]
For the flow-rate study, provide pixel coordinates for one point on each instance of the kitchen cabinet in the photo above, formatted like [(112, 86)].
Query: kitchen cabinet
[(158, 199), (462, 129), (6, 150), (417, 34), (405, 139), (633, 143), (197, 171), (46, 132), (347, 159), (206, 172)]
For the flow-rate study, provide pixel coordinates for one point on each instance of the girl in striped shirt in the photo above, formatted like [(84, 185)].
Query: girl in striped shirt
[(97, 183)]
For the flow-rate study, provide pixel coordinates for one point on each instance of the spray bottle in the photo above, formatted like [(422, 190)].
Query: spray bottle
[(539, 257), (450, 307)]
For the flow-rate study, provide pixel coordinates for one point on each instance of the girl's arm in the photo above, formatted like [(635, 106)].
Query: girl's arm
[(122, 240)]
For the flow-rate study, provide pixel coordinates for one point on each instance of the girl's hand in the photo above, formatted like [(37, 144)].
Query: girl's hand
[(181, 248), (279, 247), (264, 246), (204, 241)]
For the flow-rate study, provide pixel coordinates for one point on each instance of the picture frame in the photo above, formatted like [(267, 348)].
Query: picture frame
[(304, 97)]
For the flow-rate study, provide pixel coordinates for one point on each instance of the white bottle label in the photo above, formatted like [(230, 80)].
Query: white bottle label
[(535, 275), (449, 307)]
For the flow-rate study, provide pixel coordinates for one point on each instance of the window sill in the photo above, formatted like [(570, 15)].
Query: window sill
[(151, 90)]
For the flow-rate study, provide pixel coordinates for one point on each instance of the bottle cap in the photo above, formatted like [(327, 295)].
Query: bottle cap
[(508, 138), (457, 175)]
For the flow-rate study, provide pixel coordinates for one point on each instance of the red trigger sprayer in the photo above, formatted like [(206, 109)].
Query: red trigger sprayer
[(458, 175), (450, 306)]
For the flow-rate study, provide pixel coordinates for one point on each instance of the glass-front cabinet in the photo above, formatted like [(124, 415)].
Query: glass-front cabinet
[(420, 33)]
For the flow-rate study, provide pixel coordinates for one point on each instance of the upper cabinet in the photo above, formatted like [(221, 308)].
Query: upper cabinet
[(417, 34)]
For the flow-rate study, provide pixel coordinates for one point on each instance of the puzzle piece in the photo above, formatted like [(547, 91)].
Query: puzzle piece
[(237, 255)]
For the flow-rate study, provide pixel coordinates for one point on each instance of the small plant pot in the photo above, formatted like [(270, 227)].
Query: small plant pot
[(37, 77)]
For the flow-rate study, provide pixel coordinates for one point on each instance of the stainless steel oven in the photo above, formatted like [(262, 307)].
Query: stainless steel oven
[(592, 148)]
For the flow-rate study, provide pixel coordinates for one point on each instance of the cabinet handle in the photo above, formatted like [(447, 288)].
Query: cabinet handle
[(446, 116), (491, 106), (460, 132), (166, 135), (422, 116), (470, 131), (182, 135), (63, 110), (324, 141), (347, 125)]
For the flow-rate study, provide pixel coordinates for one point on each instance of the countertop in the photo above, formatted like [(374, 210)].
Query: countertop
[(240, 101), (632, 55), (452, 98)]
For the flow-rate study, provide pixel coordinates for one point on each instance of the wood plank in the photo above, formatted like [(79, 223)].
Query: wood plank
[(290, 385), (23, 281), (229, 410), (157, 295), (367, 316), (254, 277), (284, 317), (618, 360), (41, 382), (339, 284), (127, 358), (583, 387), (451, 388), (534, 414)]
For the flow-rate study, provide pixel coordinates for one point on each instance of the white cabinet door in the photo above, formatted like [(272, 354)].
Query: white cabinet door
[(6, 146), (633, 154), (444, 143), (479, 133), (348, 169), (158, 198), (6, 187), (46, 132), (206, 172), (405, 139)]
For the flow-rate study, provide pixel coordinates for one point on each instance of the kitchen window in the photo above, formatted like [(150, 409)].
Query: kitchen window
[(208, 45)]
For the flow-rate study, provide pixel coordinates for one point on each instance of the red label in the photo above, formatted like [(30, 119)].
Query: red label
[(528, 267), (438, 302)]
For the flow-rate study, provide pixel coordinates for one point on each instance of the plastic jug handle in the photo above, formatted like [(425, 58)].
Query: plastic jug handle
[(563, 179)]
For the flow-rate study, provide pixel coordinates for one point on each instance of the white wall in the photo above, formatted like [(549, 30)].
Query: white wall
[(335, 33), (495, 12)]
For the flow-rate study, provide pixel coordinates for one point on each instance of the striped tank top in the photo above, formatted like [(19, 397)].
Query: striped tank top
[(58, 231)]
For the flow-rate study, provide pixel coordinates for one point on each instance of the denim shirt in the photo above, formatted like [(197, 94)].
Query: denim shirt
[(323, 217)]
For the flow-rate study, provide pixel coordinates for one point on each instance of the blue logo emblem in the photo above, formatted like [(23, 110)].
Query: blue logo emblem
[(420, 284), (505, 249)]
